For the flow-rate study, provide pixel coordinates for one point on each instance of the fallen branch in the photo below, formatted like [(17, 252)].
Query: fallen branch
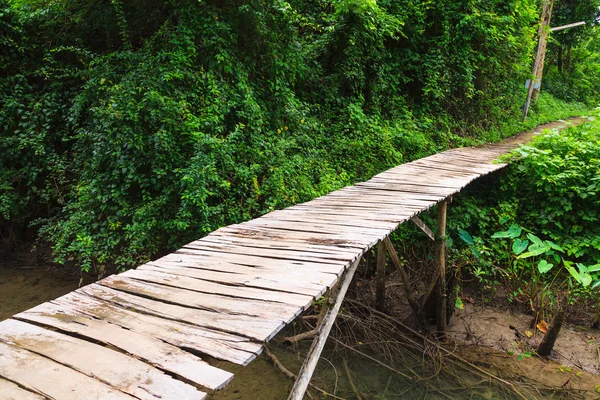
[(349, 375), (293, 377), (299, 337)]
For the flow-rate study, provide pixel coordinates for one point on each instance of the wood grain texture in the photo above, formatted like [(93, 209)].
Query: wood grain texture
[(119, 371)]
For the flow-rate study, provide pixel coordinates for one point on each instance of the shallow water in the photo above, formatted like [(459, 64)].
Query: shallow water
[(21, 288)]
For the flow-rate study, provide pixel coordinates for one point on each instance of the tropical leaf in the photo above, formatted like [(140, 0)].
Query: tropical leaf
[(519, 246), (544, 266)]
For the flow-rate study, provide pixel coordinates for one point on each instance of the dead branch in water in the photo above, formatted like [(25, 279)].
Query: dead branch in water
[(293, 376)]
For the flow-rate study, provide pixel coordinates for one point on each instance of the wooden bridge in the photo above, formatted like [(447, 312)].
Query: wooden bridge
[(141, 334)]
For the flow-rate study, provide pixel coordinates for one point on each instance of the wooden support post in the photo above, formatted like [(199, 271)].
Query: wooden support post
[(418, 222), (440, 265), (380, 290), (312, 358)]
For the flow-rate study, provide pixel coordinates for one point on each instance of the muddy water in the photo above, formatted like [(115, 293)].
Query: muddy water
[(21, 289)]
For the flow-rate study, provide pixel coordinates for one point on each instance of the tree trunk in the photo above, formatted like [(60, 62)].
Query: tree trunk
[(547, 344)]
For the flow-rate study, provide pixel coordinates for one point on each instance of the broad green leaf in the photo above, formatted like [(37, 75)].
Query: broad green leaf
[(514, 231), (544, 266), (594, 268), (586, 279), (464, 235), (596, 284), (519, 246), (459, 304), (582, 268), (554, 246), (501, 235), (535, 250), (573, 272), (535, 239)]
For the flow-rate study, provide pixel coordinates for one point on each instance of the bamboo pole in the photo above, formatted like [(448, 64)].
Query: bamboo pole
[(312, 358), (440, 264), (380, 289)]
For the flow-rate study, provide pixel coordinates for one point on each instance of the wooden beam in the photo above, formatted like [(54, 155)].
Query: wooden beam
[(573, 25), (380, 290), (418, 222), (405, 279), (312, 358), (440, 265)]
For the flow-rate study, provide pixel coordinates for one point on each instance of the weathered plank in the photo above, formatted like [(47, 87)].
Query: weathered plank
[(350, 241), (51, 379), (221, 345), (146, 348), (202, 286), (272, 280), (10, 391), (255, 261), (223, 304), (247, 326), (283, 254), (301, 275), (119, 371)]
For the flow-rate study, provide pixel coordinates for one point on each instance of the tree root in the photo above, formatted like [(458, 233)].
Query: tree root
[(450, 355)]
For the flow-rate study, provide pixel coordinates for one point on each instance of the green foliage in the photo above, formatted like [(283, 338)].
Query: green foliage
[(552, 188), (576, 75)]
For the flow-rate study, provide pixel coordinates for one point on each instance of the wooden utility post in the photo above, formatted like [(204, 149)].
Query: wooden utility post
[(538, 64), (535, 85), (544, 33), (440, 265)]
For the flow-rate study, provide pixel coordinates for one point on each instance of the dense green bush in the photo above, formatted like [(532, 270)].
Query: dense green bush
[(550, 190), (129, 128)]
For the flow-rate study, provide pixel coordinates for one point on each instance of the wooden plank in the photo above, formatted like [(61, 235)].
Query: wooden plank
[(221, 345), (146, 348), (223, 304), (316, 227), (308, 237), (255, 261), (51, 379), (165, 278), (361, 218), (275, 281), (10, 391), (329, 216), (302, 275), (117, 370), (274, 253), (283, 244), (257, 329)]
